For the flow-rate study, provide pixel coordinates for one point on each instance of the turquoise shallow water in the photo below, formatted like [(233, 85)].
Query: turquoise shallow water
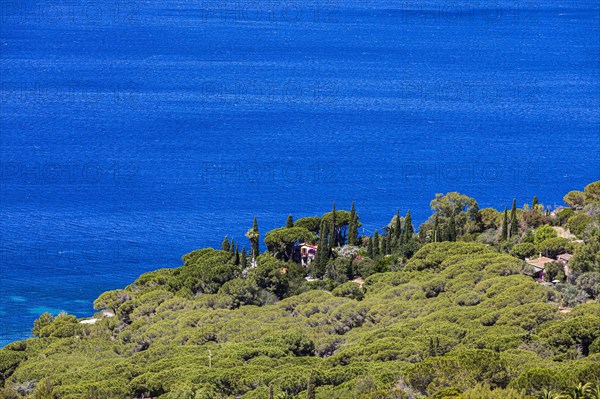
[(135, 132)]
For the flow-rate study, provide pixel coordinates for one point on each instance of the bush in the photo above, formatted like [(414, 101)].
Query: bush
[(485, 392), (241, 292), (590, 283), (339, 270), (523, 250), (9, 360), (62, 326), (365, 267), (111, 300), (536, 379), (575, 199), (552, 247), (349, 290), (572, 296), (578, 223), (543, 233)]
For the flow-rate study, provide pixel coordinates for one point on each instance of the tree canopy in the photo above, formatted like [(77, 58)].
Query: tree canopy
[(281, 241)]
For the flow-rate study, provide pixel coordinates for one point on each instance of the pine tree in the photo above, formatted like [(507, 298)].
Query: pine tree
[(290, 222), (225, 244), (353, 227), (370, 253), (408, 228), (504, 233), (376, 244), (237, 255), (244, 259), (232, 247), (514, 225)]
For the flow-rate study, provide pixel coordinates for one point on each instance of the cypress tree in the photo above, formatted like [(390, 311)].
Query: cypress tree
[(332, 230), (232, 247), (398, 226), (534, 204), (244, 259), (353, 227), (225, 244), (255, 247), (514, 225), (408, 228), (322, 254), (376, 244), (504, 233), (289, 222), (237, 255), (370, 253)]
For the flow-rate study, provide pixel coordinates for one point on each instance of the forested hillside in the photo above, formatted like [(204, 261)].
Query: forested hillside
[(454, 309)]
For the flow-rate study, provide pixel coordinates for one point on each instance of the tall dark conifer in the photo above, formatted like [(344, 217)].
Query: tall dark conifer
[(353, 227), (244, 259), (534, 204), (370, 253), (289, 222), (514, 224), (322, 254), (255, 246), (225, 244), (505, 227), (332, 229), (408, 228), (376, 244), (398, 226)]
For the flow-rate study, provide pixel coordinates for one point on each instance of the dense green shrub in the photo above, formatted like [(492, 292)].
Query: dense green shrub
[(349, 290)]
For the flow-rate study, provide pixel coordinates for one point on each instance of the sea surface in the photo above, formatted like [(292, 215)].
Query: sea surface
[(133, 132)]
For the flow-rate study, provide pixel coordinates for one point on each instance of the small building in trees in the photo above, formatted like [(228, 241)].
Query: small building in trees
[(539, 265), (307, 253), (564, 260)]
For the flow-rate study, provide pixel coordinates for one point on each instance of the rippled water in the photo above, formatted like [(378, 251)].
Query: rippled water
[(134, 132)]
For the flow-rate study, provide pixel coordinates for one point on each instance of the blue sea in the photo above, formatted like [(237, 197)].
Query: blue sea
[(133, 132)]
